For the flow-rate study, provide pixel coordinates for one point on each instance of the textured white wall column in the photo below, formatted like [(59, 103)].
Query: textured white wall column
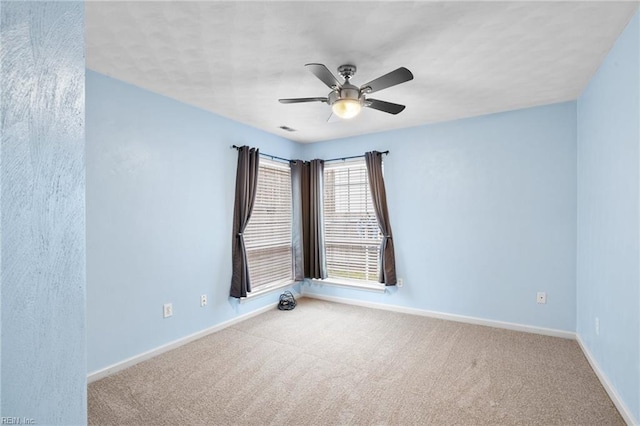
[(42, 185)]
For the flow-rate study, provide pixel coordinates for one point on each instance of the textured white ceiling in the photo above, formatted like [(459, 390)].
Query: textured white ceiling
[(468, 58)]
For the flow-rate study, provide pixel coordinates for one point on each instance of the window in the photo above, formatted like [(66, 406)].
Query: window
[(268, 235), (352, 235)]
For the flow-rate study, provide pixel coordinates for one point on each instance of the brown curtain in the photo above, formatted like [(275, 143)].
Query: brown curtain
[(297, 233), (315, 264), (246, 185), (308, 221), (387, 264)]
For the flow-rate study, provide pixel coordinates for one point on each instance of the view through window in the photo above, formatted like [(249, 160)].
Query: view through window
[(352, 235), (268, 234)]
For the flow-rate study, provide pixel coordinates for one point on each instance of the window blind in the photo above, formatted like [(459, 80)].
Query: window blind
[(352, 235), (268, 234)]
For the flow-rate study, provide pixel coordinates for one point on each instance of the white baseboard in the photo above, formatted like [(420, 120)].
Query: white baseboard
[(445, 316), (114, 368), (611, 391)]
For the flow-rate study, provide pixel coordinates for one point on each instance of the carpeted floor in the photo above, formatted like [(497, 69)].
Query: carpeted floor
[(326, 363)]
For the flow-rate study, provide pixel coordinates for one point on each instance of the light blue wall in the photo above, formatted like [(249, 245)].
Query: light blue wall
[(483, 212), (608, 269), (160, 191), (42, 181)]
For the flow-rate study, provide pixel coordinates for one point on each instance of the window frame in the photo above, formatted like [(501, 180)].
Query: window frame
[(358, 197), (266, 183)]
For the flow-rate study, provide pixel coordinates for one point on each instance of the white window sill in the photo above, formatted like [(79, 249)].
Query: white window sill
[(352, 284), (266, 289)]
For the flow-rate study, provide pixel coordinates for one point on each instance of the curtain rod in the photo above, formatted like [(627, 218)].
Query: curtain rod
[(275, 157), (264, 154), (353, 156)]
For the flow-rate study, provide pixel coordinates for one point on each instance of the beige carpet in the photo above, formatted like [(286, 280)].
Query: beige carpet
[(326, 363)]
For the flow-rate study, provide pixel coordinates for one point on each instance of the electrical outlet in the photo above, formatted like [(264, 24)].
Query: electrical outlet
[(541, 298), (167, 310), (203, 300), (597, 326), (400, 282)]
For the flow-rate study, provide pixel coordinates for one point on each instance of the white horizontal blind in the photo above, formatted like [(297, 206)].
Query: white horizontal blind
[(352, 235), (268, 235)]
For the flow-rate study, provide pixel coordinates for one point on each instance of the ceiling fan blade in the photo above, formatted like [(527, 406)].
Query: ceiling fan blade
[(324, 75), (398, 76), (384, 106), (300, 100)]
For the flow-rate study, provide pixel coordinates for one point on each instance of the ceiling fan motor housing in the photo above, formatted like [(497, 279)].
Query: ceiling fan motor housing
[(348, 91)]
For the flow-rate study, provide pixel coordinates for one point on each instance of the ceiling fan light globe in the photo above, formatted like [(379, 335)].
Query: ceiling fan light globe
[(346, 108)]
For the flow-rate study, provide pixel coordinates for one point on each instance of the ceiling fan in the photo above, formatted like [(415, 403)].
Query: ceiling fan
[(347, 100)]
